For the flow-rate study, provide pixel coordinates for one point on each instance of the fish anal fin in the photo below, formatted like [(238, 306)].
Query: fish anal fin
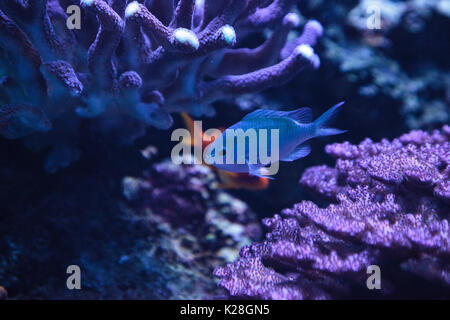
[(300, 152), (258, 171)]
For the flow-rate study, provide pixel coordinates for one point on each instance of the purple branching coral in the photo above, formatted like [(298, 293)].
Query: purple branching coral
[(390, 207), (146, 60)]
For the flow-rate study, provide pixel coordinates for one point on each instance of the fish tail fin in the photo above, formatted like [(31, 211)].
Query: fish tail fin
[(324, 121)]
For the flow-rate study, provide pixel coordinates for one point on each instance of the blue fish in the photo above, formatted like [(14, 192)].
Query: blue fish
[(253, 151)]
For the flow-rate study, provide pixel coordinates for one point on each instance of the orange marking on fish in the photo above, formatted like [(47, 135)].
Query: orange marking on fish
[(233, 180), (229, 180)]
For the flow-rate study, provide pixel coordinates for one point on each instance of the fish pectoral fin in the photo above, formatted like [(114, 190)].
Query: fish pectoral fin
[(256, 170), (300, 152)]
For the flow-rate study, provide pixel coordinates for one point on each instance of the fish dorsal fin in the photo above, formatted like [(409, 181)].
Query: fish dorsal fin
[(300, 152), (302, 115), (264, 113)]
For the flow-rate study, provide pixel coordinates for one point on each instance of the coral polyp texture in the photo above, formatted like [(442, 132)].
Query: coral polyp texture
[(137, 62), (390, 208), (162, 241)]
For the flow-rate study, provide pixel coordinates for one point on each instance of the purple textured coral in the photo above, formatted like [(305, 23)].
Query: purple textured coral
[(390, 208)]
